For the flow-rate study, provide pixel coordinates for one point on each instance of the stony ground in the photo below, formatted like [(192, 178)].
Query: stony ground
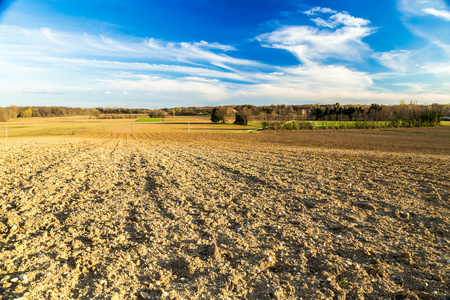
[(332, 215)]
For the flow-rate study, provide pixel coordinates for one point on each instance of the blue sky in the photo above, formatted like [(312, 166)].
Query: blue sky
[(199, 52)]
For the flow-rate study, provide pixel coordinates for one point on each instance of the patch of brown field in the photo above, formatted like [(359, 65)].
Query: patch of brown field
[(435, 141), (266, 215), (443, 130)]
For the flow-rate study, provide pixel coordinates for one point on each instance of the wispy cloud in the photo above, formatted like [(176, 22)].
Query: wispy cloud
[(427, 19), (397, 60), (436, 10), (56, 43), (444, 14), (170, 70)]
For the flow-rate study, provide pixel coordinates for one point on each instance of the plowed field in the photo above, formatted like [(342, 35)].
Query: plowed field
[(266, 215)]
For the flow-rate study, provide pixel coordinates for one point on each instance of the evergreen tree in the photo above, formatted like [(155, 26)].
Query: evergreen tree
[(215, 118)]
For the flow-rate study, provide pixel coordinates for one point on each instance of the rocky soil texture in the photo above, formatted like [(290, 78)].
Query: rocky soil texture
[(193, 217)]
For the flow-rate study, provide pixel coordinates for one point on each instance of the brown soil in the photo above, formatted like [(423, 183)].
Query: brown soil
[(267, 215)]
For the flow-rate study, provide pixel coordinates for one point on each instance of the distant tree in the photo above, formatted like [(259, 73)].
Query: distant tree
[(215, 118), (446, 110), (246, 111), (27, 113), (241, 119), (157, 113), (374, 112), (95, 113), (8, 113), (3, 114), (224, 112)]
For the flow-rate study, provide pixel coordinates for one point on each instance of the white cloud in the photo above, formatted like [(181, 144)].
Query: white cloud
[(330, 77), (313, 82), (443, 14), (175, 89), (340, 38), (207, 45), (319, 9), (443, 69), (312, 44), (339, 19), (201, 79)]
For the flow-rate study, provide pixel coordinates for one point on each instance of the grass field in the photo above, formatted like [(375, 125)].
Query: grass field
[(149, 120), (83, 125)]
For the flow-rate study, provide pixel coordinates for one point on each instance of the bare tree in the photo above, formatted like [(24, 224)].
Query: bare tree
[(224, 112)]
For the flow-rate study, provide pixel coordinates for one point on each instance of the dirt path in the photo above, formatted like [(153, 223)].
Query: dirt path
[(179, 218)]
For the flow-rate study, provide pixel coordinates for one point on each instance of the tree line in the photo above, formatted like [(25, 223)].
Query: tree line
[(403, 114), (11, 112)]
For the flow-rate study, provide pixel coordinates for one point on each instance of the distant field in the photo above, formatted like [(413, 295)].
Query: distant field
[(84, 125)]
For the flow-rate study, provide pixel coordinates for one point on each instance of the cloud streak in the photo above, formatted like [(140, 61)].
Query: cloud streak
[(56, 43)]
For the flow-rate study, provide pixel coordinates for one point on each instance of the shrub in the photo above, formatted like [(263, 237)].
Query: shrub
[(288, 125), (277, 125), (309, 125)]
